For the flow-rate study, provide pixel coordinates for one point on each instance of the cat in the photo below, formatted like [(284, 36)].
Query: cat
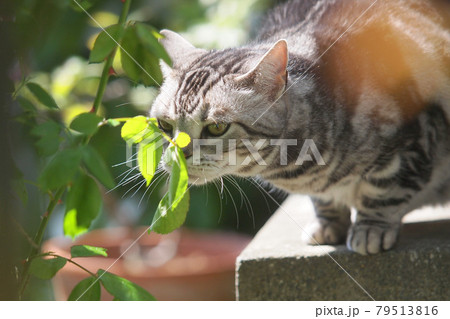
[(367, 81)]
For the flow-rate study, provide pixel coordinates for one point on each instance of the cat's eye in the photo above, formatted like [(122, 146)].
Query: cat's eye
[(217, 129), (166, 127)]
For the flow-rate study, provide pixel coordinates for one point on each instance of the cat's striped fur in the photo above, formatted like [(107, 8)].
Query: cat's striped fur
[(368, 82)]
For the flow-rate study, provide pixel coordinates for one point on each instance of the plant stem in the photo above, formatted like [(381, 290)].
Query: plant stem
[(54, 201), (109, 61), (81, 267), (38, 239)]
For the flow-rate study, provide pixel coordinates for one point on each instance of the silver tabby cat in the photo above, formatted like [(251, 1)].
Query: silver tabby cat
[(368, 82)]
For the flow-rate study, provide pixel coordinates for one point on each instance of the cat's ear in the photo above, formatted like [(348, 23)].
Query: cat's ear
[(269, 76), (179, 50)]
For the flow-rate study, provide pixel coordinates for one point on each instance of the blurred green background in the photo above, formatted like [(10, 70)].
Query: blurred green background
[(52, 43)]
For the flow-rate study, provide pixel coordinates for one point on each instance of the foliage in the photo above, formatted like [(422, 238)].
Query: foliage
[(70, 114), (74, 167)]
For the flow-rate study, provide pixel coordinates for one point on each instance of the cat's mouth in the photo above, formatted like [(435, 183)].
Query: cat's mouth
[(201, 176)]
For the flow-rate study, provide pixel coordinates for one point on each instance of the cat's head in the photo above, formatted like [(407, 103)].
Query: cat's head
[(226, 99)]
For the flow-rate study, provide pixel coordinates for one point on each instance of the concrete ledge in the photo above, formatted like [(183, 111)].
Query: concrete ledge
[(277, 265)]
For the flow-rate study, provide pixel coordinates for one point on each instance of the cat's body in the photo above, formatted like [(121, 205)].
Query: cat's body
[(368, 83)]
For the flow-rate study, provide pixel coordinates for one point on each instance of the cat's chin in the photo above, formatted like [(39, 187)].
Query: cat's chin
[(199, 180)]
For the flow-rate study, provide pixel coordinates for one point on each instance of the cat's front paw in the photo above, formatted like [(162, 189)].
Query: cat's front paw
[(368, 238), (325, 232)]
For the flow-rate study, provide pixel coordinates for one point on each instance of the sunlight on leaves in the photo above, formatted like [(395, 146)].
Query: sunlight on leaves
[(183, 139), (87, 251), (82, 206), (172, 210), (134, 129)]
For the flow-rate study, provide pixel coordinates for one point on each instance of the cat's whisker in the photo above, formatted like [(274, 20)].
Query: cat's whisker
[(138, 184), (220, 200), (151, 187), (157, 182), (121, 183), (234, 203), (259, 187), (244, 198), (123, 104)]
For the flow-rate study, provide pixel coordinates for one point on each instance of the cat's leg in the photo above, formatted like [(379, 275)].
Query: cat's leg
[(331, 224), (371, 235), (378, 219)]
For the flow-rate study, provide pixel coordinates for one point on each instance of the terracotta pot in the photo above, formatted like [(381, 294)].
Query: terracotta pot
[(183, 265)]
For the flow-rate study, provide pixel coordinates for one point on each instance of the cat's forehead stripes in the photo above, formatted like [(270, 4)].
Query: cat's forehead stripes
[(203, 74)]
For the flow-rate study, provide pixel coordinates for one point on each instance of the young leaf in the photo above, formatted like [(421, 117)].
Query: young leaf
[(149, 38), (97, 167), (121, 288), (60, 170), (82, 206), (149, 153), (42, 95), (46, 268), (86, 123), (86, 290), (48, 137), (105, 43), (87, 251), (134, 129), (183, 140), (172, 210)]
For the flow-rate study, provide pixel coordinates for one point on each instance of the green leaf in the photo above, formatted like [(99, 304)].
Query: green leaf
[(86, 123), (149, 38), (87, 251), (167, 218), (149, 153), (97, 167), (130, 55), (46, 268), (86, 290), (48, 137), (179, 178), (172, 210), (121, 288), (82, 206), (135, 129), (61, 169), (139, 64), (27, 106), (113, 122), (42, 95), (85, 4), (153, 76), (105, 43)]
